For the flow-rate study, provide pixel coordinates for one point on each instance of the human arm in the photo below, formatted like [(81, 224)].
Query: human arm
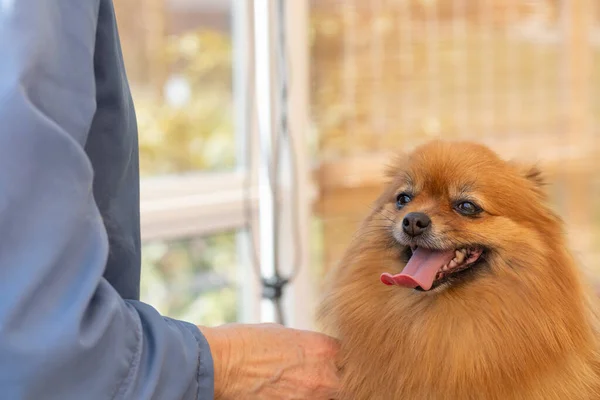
[(65, 333), (270, 362)]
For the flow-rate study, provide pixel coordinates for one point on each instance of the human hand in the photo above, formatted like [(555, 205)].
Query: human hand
[(268, 361)]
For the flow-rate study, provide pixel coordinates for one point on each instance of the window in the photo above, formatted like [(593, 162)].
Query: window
[(179, 56), (189, 70)]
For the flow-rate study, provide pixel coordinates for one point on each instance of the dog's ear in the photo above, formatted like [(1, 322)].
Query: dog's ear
[(395, 167), (535, 176)]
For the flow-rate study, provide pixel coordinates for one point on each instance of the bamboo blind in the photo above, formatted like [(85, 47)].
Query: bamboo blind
[(521, 76)]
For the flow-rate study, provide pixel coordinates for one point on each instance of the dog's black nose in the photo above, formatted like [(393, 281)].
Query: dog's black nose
[(415, 223)]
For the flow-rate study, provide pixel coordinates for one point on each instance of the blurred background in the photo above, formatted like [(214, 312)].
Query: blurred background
[(367, 78)]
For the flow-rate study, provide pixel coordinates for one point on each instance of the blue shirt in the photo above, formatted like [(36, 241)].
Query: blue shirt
[(71, 323)]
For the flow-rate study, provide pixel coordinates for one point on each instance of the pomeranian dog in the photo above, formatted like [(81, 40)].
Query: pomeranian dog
[(459, 285)]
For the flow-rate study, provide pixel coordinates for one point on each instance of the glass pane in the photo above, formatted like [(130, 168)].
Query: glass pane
[(178, 55), (193, 279)]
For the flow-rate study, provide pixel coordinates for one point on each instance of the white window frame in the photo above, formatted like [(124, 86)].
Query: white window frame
[(199, 204), (195, 205)]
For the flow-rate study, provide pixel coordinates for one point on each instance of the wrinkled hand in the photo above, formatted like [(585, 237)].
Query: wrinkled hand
[(268, 361)]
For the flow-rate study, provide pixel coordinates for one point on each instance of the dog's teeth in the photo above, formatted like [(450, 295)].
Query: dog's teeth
[(445, 267), (453, 264), (460, 256)]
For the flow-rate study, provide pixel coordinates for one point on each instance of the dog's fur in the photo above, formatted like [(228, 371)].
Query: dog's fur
[(521, 325)]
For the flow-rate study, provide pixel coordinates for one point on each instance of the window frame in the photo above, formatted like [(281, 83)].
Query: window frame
[(199, 204)]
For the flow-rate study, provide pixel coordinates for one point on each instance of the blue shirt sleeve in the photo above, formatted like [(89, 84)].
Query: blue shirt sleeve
[(65, 332)]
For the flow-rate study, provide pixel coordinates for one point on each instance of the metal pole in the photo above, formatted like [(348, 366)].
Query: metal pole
[(267, 176)]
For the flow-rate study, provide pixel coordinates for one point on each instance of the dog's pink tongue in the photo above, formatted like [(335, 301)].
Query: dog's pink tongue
[(420, 270)]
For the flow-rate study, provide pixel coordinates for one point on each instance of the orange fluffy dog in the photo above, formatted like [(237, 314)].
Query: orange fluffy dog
[(459, 286)]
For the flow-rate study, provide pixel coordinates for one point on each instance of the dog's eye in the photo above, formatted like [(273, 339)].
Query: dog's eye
[(402, 199), (467, 208)]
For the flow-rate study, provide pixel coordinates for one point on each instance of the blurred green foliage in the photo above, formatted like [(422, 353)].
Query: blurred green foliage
[(193, 279), (193, 132)]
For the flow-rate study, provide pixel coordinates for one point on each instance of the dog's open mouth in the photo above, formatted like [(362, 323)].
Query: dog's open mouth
[(427, 268)]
